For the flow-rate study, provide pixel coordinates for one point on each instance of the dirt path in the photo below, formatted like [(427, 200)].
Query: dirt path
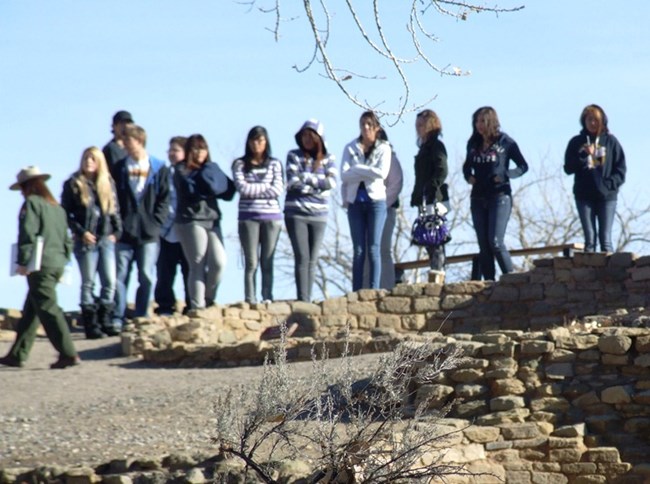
[(108, 407)]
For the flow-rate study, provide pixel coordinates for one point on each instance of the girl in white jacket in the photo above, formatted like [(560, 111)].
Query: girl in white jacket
[(364, 167)]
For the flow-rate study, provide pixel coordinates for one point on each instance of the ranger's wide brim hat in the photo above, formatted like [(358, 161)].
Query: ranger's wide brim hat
[(26, 174)]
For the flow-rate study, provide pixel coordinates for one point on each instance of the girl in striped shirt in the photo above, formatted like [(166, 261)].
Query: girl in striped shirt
[(311, 175), (259, 180)]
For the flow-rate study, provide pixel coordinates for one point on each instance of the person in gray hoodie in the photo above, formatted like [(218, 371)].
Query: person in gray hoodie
[(311, 176)]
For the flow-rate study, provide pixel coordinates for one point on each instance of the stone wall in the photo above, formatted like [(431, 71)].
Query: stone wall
[(555, 293), (555, 386), (557, 380)]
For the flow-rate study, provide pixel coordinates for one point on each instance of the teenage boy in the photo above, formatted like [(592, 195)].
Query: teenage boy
[(171, 253), (114, 149), (142, 184)]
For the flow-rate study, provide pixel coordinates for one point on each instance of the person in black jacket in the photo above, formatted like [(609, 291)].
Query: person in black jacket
[(597, 160), (90, 202), (430, 174), (487, 169), (142, 184)]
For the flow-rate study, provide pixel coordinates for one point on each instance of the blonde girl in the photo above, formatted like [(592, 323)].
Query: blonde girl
[(90, 202)]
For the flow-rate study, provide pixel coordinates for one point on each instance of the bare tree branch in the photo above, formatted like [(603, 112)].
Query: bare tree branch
[(370, 25)]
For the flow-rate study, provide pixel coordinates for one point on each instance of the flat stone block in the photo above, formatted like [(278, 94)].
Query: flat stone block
[(503, 293), (617, 394), (365, 307), (450, 302), (424, 304), (603, 455), (481, 434), (565, 455), (536, 347), (520, 431), (579, 468), (614, 344), (395, 305), (509, 402), (559, 370), (410, 290)]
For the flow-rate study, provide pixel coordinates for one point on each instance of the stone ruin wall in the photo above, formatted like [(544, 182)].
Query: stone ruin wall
[(554, 293), (556, 386), (557, 382)]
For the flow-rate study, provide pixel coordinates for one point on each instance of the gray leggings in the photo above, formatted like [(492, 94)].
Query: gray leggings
[(306, 239), (262, 235), (206, 258)]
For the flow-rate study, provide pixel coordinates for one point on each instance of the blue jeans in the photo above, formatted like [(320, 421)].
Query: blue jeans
[(387, 279), (366, 221), (93, 260), (597, 218), (145, 257), (490, 217)]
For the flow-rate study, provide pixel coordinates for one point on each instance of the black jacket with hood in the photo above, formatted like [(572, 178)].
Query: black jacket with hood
[(485, 166), (600, 179), (197, 192)]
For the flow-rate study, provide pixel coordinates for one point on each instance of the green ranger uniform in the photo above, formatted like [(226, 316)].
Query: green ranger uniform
[(39, 217)]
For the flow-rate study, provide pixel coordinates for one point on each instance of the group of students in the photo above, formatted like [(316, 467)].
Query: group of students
[(594, 157), (124, 206)]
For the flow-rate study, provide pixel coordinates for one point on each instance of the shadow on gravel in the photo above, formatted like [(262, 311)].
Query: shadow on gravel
[(112, 354), (105, 352), (144, 365)]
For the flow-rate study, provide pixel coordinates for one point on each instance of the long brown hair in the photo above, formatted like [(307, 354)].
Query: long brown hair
[(370, 116), (103, 181), (432, 125), (37, 186), (193, 142), (318, 154), (494, 128)]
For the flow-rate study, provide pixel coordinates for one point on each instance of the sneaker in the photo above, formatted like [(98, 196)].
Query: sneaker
[(11, 361), (65, 361)]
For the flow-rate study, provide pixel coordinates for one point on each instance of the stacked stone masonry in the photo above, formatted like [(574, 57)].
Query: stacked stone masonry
[(556, 387), (556, 384)]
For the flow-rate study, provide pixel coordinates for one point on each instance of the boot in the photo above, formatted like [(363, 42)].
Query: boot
[(104, 320), (65, 361), (89, 319)]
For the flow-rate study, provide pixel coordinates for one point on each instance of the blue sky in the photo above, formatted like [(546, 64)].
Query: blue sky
[(213, 67)]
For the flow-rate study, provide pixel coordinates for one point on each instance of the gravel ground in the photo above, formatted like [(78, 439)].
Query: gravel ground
[(109, 407)]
